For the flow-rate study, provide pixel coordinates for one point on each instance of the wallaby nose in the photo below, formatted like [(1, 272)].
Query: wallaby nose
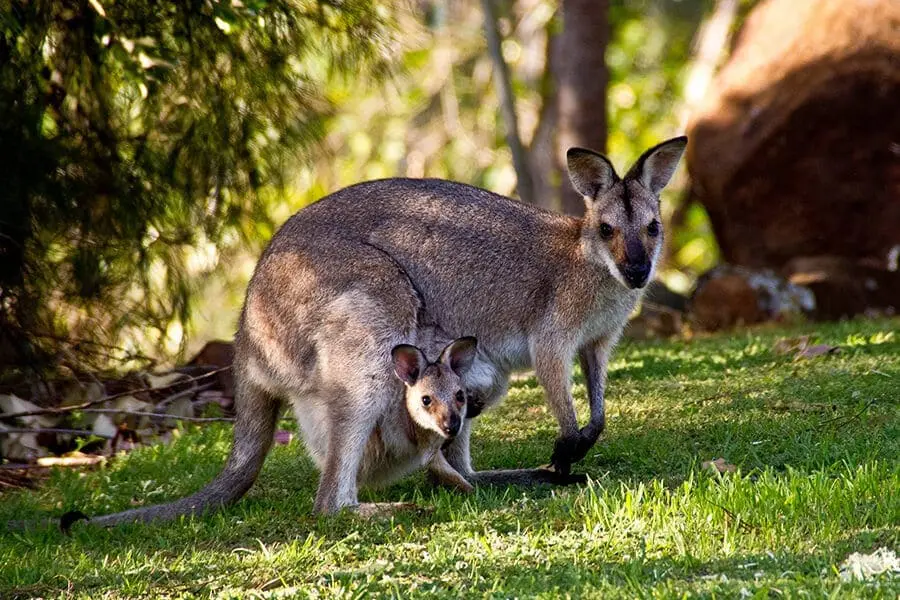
[(636, 274), (452, 425)]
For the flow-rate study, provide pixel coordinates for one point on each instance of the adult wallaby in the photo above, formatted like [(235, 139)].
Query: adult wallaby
[(351, 275)]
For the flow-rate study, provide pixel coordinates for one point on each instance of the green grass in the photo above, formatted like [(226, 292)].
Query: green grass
[(816, 443)]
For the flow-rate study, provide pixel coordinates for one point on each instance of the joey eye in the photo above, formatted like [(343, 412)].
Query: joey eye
[(426, 400), (606, 231), (653, 229), (460, 397)]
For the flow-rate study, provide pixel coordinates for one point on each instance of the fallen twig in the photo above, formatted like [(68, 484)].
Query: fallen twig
[(142, 413), (54, 430), (162, 404), (67, 409), (71, 461), (741, 522), (847, 419)]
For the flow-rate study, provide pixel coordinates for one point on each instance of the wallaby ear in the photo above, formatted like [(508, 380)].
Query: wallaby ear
[(656, 166), (459, 354), (590, 172), (409, 362)]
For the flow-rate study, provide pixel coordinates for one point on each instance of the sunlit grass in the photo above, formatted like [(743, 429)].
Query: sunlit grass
[(815, 443)]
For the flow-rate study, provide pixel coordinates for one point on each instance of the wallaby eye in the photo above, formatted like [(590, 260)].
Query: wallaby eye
[(653, 229), (606, 231), (426, 400), (460, 397)]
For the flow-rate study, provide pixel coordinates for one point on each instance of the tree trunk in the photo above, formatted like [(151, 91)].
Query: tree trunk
[(581, 79)]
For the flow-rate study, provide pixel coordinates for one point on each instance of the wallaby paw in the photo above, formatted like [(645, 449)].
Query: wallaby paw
[(571, 449), (455, 484), (461, 486), (557, 478), (380, 510), (70, 518)]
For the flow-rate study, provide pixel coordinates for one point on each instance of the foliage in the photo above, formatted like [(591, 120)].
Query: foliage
[(134, 135), (814, 442), (439, 116), (146, 147)]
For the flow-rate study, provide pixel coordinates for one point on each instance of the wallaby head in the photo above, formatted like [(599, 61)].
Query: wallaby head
[(622, 225), (435, 397)]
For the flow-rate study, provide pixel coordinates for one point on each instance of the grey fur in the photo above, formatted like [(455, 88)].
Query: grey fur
[(350, 277)]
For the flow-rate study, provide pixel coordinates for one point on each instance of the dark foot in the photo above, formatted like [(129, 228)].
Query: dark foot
[(70, 518), (571, 449)]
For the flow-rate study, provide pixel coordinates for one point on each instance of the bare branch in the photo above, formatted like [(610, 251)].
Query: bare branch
[(507, 104), (55, 430), (141, 413), (68, 409)]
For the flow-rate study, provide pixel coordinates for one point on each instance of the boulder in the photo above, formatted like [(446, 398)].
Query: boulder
[(795, 152)]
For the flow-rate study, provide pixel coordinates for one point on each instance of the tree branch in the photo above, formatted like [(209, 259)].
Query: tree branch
[(82, 406), (507, 104), (54, 430)]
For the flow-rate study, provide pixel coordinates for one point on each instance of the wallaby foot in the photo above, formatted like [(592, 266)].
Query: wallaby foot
[(571, 449), (527, 477), (380, 510), (337, 483)]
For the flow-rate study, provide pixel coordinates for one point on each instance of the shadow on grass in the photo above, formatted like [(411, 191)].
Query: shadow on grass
[(639, 447), (751, 570), (741, 570)]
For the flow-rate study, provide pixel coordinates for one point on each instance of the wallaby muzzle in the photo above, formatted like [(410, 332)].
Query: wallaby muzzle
[(636, 274), (452, 425)]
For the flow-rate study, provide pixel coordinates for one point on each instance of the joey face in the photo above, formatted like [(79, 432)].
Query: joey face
[(622, 228), (435, 394)]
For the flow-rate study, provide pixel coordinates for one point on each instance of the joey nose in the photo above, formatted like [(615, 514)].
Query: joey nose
[(636, 274), (452, 425)]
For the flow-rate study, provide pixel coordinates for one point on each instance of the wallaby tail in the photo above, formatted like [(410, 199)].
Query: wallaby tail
[(253, 434), (525, 477)]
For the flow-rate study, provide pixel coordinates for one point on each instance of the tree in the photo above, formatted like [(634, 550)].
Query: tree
[(581, 77), (133, 132)]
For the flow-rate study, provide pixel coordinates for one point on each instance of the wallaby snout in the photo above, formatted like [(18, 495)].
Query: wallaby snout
[(636, 274), (637, 267), (452, 424)]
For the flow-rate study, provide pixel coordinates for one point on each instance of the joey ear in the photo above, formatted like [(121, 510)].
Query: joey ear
[(459, 354), (590, 172), (656, 166), (408, 362)]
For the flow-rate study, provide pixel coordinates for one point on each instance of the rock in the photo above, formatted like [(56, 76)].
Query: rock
[(796, 149), (843, 287), (727, 296), (217, 354)]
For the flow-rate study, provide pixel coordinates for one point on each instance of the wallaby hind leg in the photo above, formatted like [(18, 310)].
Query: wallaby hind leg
[(355, 421)]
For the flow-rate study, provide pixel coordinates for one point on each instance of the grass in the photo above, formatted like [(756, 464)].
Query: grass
[(816, 444)]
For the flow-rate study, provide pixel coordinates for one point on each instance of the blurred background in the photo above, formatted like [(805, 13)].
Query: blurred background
[(148, 151)]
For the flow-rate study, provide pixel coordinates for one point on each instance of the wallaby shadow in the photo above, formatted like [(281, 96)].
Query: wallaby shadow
[(558, 570)]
